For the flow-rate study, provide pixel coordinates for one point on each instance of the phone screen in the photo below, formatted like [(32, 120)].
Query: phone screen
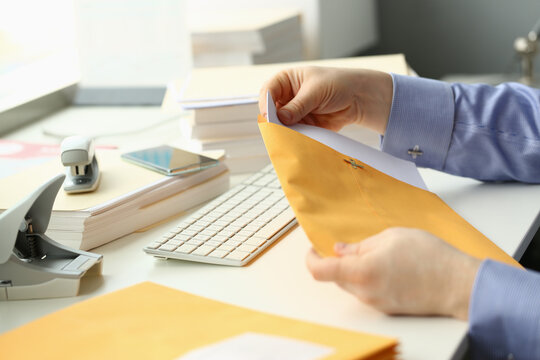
[(169, 160)]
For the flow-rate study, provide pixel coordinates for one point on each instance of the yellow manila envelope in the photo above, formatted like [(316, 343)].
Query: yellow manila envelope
[(150, 321), (339, 198)]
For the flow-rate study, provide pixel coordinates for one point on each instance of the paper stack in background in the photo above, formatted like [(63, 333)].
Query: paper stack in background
[(245, 37), (223, 106), (129, 198)]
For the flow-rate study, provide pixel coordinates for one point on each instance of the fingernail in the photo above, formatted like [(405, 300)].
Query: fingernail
[(284, 116), (340, 247)]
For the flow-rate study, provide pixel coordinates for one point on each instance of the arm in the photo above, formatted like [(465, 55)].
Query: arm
[(504, 313), (479, 131), (490, 133)]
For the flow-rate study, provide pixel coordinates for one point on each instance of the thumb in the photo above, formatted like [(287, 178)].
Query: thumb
[(301, 105)]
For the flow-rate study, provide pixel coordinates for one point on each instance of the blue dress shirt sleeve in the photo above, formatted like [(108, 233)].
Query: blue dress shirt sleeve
[(504, 313), (490, 133)]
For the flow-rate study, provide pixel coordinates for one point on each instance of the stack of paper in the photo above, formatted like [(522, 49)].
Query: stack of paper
[(150, 321), (245, 37), (223, 101), (129, 198)]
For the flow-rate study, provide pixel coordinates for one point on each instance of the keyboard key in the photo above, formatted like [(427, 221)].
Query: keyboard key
[(168, 247), (232, 242), (182, 237), (226, 233), (226, 247), (194, 242), (154, 245), (215, 227), (218, 253), (189, 232), (220, 238), (208, 232), (247, 248), (240, 238), (202, 237), (203, 250), (255, 241), (186, 248), (168, 236), (237, 255), (246, 232), (174, 242), (213, 243)]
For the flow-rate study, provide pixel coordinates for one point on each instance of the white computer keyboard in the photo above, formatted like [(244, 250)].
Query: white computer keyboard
[(233, 228)]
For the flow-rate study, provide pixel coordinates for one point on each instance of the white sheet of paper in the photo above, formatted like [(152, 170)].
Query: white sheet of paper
[(211, 103), (402, 170), (254, 346)]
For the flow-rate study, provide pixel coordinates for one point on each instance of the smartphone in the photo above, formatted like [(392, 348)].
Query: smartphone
[(169, 160)]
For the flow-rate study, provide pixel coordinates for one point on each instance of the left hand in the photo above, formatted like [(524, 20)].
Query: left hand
[(402, 271)]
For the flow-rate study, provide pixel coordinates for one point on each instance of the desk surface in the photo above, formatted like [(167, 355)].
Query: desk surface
[(278, 281)]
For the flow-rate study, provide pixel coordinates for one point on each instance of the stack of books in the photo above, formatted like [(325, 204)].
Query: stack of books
[(223, 106), (129, 198), (232, 128), (245, 37)]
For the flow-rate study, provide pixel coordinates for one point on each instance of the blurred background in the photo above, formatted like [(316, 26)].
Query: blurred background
[(146, 45), (148, 42)]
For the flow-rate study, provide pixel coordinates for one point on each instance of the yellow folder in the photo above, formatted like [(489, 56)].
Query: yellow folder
[(335, 200), (150, 321)]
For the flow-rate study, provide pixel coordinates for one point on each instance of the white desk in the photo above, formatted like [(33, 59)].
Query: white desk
[(278, 281)]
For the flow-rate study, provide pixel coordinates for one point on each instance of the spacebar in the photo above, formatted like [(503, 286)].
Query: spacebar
[(268, 230)]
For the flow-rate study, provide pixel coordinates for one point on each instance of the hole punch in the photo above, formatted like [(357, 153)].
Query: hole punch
[(32, 265)]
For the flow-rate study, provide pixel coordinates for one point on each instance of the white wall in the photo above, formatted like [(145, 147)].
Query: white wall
[(132, 42)]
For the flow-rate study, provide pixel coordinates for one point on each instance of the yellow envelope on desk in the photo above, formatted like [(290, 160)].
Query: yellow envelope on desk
[(150, 321), (337, 198)]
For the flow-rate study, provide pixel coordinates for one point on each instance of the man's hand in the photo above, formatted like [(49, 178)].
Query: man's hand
[(330, 97), (402, 271)]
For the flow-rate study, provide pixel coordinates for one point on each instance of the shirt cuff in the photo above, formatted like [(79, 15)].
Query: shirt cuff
[(421, 121), (504, 313)]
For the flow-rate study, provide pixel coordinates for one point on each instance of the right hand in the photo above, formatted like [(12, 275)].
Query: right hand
[(330, 97), (402, 271)]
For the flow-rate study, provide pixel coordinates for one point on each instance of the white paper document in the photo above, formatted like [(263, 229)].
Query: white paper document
[(402, 170), (213, 103), (254, 346)]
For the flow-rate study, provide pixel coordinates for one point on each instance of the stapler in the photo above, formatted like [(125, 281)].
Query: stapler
[(31, 264), (82, 171)]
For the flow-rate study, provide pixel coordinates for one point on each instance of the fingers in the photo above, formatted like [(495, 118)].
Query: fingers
[(322, 269), (280, 89), (295, 99), (303, 103), (338, 269)]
